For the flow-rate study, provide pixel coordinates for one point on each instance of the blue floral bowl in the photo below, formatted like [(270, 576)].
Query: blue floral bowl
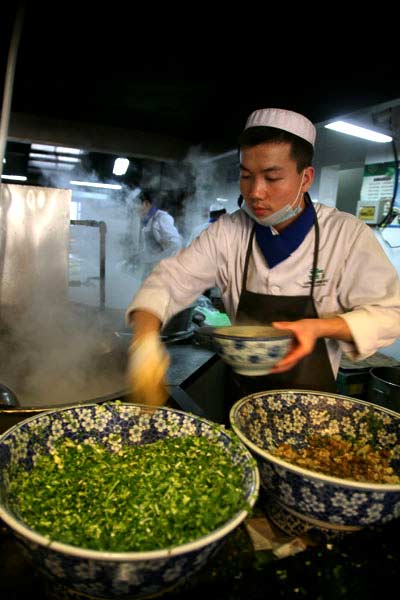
[(251, 349), (301, 499), (92, 573)]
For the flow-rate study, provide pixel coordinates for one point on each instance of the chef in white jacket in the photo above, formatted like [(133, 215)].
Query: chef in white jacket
[(310, 269), (159, 236), (214, 213)]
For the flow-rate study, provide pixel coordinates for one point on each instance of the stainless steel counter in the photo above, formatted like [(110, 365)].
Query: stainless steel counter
[(186, 360), (195, 381)]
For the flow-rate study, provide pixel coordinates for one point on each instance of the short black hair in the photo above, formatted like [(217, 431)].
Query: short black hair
[(301, 151), (146, 196)]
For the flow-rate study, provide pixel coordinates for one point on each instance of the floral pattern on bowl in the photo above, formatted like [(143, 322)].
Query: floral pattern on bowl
[(253, 349), (265, 420), (112, 574)]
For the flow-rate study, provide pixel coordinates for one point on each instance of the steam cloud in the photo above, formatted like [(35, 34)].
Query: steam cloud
[(57, 351)]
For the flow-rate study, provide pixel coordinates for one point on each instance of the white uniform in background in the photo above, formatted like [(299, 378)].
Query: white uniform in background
[(160, 240), (355, 279), (215, 211)]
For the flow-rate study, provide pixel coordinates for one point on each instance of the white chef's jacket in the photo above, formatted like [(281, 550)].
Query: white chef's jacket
[(161, 239), (355, 279)]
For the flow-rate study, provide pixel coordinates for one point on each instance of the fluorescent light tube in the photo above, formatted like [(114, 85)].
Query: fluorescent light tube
[(15, 177), (47, 165), (63, 150), (357, 131), (93, 195), (68, 159), (120, 166), (57, 149), (109, 186), (43, 147), (54, 157)]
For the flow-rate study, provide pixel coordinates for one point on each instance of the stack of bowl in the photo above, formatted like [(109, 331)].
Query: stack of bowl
[(300, 499), (94, 573)]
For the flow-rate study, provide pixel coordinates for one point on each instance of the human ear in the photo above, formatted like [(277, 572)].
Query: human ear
[(308, 178)]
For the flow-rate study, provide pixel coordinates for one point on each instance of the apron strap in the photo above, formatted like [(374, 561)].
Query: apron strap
[(246, 262), (316, 247)]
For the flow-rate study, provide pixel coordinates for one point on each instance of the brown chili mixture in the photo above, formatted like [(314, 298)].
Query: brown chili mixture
[(338, 457)]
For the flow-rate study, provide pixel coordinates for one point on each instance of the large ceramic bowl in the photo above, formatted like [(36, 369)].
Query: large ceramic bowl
[(92, 573), (301, 499), (251, 349)]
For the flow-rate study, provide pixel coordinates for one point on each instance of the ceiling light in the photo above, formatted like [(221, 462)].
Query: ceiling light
[(62, 150), (57, 149), (68, 159), (15, 177), (47, 165), (43, 147), (41, 155), (357, 131), (120, 166), (109, 186), (93, 195), (54, 157)]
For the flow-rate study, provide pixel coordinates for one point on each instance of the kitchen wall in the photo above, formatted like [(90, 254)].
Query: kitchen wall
[(339, 162), (348, 192)]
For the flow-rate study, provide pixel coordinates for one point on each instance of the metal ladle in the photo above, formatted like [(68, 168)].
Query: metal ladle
[(8, 398)]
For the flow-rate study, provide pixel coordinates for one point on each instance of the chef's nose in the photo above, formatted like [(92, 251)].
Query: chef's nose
[(258, 190)]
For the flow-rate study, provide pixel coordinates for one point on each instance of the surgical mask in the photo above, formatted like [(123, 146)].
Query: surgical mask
[(283, 214)]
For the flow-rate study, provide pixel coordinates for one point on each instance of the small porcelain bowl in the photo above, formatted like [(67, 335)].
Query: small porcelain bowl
[(302, 499), (251, 349), (86, 573)]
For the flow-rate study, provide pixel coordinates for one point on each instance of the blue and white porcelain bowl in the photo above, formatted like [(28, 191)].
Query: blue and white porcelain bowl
[(302, 499), (92, 573), (251, 349)]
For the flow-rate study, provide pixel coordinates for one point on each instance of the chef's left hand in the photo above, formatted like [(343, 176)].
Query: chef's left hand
[(306, 335), (306, 332)]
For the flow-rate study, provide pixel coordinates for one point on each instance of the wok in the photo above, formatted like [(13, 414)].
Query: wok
[(99, 380), (7, 397), (46, 373)]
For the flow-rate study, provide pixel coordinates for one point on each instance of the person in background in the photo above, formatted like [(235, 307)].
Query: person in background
[(215, 211), (160, 237), (307, 268)]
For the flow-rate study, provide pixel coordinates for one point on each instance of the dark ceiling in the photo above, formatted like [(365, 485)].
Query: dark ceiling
[(184, 75)]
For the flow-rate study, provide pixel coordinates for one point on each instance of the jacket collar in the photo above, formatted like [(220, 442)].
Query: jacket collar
[(277, 247)]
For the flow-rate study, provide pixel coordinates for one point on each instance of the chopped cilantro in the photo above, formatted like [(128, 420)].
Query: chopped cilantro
[(140, 498)]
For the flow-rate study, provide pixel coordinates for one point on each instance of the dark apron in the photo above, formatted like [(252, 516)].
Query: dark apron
[(313, 372)]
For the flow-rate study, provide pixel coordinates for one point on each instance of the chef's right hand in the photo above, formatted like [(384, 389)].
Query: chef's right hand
[(147, 368)]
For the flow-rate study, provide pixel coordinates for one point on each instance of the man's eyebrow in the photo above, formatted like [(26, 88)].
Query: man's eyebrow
[(267, 170)]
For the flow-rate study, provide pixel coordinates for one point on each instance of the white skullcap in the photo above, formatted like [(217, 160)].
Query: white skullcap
[(283, 119), (216, 206)]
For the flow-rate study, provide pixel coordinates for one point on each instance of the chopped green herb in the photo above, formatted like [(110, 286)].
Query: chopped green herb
[(140, 498)]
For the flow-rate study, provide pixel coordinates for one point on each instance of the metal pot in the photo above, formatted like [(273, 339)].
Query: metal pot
[(384, 387), (100, 379), (8, 398), (104, 380)]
